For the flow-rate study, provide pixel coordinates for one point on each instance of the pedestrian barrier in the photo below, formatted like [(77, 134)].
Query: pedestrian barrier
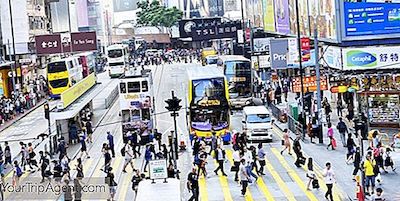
[(111, 98), (278, 113), (293, 125)]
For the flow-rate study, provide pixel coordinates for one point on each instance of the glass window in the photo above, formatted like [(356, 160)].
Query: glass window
[(145, 86), (56, 67), (59, 83), (146, 114), (115, 53), (122, 87), (258, 118), (133, 87), (209, 88), (116, 64)]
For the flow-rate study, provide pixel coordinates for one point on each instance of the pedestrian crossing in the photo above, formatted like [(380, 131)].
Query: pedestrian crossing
[(283, 181)]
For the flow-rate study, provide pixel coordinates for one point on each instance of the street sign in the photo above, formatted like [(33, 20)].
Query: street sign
[(158, 169), (84, 41), (48, 44)]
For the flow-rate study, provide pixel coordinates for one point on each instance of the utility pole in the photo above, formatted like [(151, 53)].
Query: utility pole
[(318, 74), (13, 67), (243, 28), (173, 106), (69, 26), (303, 114)]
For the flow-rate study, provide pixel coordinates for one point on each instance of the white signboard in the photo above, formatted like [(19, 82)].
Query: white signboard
[(332, 57), (374, 57), (293, 53), (240, 36), (158, 169), (264, 61), (261, 45)]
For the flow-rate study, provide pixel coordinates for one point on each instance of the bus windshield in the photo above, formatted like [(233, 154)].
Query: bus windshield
[(258, 118), (208, 89), (209, 112), (238, 74), (56, 67), (114, 53)]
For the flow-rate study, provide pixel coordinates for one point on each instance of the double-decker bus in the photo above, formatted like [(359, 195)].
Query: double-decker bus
[(208, 99), (136, 106), (237, 70), (62, 74), (88, 62), (118, 59)]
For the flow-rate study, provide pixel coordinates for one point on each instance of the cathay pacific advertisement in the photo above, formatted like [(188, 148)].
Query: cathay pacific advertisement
[(371, 18), (385, 57)]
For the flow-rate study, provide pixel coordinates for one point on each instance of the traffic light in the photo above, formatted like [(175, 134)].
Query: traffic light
[(173, 104), (46, 111)]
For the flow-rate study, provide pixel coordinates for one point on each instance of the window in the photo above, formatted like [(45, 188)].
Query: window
[(115, 53), (59, 83), (133, 87), (146, 114), (56, 67), (71, 64), (122, 87), (116, 64), (145, 86)]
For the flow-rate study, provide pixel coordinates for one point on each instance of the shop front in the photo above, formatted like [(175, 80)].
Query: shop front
[(6, 84)]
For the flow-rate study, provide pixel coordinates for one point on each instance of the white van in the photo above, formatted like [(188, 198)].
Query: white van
[(256, 122)]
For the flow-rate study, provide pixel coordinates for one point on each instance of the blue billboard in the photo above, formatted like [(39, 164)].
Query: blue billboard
[(368, 19)]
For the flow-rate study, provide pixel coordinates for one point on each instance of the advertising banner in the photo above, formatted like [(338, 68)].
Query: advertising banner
[(158, 169), (258, 12), (264, 61), (282, 16), (76, 91), (371, 19), (186, 25), (84, 41), (303, 11), (385, 57), (309, 84), (261, 45), (332, 57), (269, 19), (279, 53), (220, 30), (305, 49)]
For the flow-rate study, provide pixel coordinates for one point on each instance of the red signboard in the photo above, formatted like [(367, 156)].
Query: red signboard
[(61, 43), (248, 34), (48, 44), (305, 49), (309, 83), (84, 41)]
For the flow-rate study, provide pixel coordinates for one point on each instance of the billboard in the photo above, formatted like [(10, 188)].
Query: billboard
[(84, 41), (384, 57), (282, 16), (60, 43), (207, 31), (48, 44), (186, 25), (269, 19), (261, 45), (309, 84), (367, 20), (279, 53), (124, 5), (303, 11)]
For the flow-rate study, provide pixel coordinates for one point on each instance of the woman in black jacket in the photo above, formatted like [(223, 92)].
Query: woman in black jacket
[(357, 162)]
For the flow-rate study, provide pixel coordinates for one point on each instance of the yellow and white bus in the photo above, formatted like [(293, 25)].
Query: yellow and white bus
[(62, 74), (208, 100), (118, 59), (237, 70)]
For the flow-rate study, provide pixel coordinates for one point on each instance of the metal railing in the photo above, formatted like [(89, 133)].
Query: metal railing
[(111, 98), (294, 126)]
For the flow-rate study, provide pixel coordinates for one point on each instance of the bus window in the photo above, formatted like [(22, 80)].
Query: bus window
[(71, 64), (135, 114), (122, 87), (133, 87), (56, 67), (146, 114), (145, 86), (115, 53)]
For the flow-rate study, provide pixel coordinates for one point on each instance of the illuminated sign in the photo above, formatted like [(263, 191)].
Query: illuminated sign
[(209, 102)]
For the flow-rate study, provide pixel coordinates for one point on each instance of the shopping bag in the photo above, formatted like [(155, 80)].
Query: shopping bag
[(334, 145), (315, 183)]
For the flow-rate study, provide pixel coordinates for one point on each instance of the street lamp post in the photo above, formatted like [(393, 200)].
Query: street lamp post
[(303, 114), (13, 66)]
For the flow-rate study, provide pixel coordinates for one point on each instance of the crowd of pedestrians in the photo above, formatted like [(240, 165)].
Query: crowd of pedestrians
[(167, 56), (31, 93)]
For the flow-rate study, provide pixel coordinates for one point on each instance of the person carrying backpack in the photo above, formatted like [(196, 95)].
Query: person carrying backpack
[(342, 128)]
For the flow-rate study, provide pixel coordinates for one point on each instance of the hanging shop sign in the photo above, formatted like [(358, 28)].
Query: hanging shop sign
[(332, 57), (61, 43), (279, 53), (305, 49), (215, 30), (384, 57), (309, 84), (339, 89)]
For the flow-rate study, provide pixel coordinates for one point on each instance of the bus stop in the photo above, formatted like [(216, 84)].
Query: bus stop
[(66, 115)]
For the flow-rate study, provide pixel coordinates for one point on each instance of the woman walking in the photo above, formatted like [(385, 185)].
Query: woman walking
[(79, 169), (261, 159), (350, 149), (286, 142), (356, 163), (330, 135), (310, 173)]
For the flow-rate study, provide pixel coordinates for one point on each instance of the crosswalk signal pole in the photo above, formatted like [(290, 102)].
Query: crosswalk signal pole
[(47, 116), (173, 106)]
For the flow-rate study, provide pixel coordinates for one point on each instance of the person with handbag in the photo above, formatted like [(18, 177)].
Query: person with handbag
[(300, 160)]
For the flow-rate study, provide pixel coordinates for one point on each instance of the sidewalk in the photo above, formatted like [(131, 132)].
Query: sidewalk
[(20, 116), (321, 155)]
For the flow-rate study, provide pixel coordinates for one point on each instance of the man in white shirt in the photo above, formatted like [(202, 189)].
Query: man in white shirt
[(128, 156), (329, 180), (244, 177)]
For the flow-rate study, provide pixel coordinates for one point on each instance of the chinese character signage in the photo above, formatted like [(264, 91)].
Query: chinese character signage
[(61, 43), (371, 58), (48, 44), (371, 19), (309, 84), (305, 49)]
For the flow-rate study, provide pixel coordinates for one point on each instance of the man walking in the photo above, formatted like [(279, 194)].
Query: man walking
[(220, 158), (110, 139), (300, 160), (193, 184), (329, 180), (128, 157), (244, 177), (7, 154), (342, 128)]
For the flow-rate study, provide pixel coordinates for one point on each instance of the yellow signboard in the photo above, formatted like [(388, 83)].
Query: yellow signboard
[(76, 91), (209, 102)]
